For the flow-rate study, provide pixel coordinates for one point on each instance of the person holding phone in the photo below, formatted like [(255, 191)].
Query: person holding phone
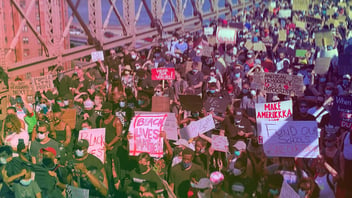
[(15, 135)]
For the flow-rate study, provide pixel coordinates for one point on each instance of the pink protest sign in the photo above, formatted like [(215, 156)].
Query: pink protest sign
[(226, 35), (163, 73), (96, 139), (219, 143), (145, 131)]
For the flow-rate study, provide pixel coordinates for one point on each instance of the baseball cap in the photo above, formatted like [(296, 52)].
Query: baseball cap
[(240, 145), (82, 143), (347, 76), (48, 149), (203, 184)]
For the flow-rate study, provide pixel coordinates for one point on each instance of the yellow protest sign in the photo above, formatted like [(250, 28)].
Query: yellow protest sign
[(300, 5), (282, 35), (330, 12), (301, 24), (324, 39), (342, 4)]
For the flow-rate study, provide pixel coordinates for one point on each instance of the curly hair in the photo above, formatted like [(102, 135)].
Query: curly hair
[(15, 121)]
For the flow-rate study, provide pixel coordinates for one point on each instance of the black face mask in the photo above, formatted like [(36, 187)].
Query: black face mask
[(142, 168)]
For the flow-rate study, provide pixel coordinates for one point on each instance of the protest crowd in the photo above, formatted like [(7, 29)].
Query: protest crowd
[(256, 106)]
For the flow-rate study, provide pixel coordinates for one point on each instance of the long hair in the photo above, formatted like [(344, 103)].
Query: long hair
[(15, 121)]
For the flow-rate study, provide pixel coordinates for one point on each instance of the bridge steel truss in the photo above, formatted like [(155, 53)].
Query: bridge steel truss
[(54, 52)]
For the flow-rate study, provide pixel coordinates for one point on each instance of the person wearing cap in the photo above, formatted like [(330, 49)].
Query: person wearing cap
[(344, 87), (179, 179), (202, 188), (88, 171), (42, 141), (61, 129), (113, 138)]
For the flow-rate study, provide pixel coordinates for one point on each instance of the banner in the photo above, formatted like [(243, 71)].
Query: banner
[(322, 65), (217, 104), (291, 139), (17, 88), (163, 73), (285, 13), (42, 83), (69, 116), (341, 112), (160, 104), (96, 139), (197, 127), (300, 5), (226, 35), (170, 126), (96, 56), (219, 143), (208, 30), (145, 130), (272, 112), (278, 83)]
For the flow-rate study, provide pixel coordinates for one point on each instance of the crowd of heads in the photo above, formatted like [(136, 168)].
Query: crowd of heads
[(42, 156)]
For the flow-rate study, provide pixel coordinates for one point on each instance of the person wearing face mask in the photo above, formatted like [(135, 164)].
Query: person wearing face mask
[(201, 156), (62, 130), (127, 78), (181, 46), (345, 85), (113, 139), (42, 141), (179, 179), (195, 78), (203, 188), (302, 113), (62, 82), (88, 171), (27, 188), (142, 173), (248, 103), (274, 183)]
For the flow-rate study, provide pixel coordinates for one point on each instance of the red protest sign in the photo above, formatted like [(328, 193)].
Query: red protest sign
[(163, 73), (226, 35), (145, 131)]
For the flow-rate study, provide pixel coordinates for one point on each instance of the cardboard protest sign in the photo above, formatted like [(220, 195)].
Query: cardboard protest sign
[(192, 103), (259, 47), (216, 104), (285, 13), (322, 65), (341, 112), (145, 131), (170, 126), (248, 45), (207, 51), (287, 191), (219, 143), (160, 104), (330, 12), (163, 73), (17, 88), (69, 116), (96, 56), (300, 24), (42, 83), (324, 39), (75, 192), (342, 4), (278, 83), (96, 139), (212, 40), (188, 66), (226, 35), (300, 5), (301, 53), (236, 25), (282, 35), (3, 106), (291, 139), (197, 127), (272, 112), (208, 30)]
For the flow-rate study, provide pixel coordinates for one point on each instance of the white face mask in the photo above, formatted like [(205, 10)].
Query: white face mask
[(237, 172), (41, 136), (66, 102), (25, 182), (3, 160), (79, 153), (253, 92), (122, 104)]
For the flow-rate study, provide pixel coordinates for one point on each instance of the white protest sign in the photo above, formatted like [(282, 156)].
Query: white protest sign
[(96, 139), (285, 13), (96, 56), (219, 143), (197, 127), (287, 191), (145, 130), (290, 139), (170, 126), (272, 112), (226, 35), (75, 192), (208, 31), (42, 83)]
